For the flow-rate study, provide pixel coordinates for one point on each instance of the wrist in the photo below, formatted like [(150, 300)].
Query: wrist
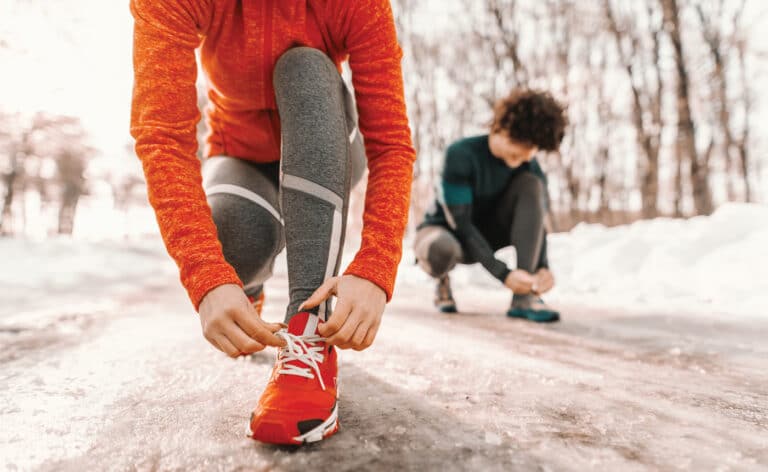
[(372, 277)]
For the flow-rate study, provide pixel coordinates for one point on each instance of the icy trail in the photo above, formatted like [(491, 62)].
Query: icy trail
[(133, 386), (660, 363)]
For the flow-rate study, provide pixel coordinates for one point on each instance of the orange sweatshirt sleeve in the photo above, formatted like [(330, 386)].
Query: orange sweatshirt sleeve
[(164, 115), (368, 29)]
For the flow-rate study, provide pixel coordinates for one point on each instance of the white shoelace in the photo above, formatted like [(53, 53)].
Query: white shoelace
[(302, 349)]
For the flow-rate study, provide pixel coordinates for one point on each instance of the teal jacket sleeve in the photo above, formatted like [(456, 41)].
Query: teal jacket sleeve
[(456, 196)]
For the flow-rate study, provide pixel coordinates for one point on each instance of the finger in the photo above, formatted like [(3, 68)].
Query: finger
[(268, 337), (275, 327), (343, 336), (212, 341), (547, 281), (527, 278), (336, 321), (226, 346), (259, 330), (371, 335), (359, 336), (244, 343), (327, 289)]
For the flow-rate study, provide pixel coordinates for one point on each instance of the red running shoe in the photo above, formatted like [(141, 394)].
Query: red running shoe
[(299, 404)]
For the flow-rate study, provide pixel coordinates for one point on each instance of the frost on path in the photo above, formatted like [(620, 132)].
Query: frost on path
[(133, 386)]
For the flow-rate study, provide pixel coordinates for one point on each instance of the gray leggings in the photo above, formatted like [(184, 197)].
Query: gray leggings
[(301, 202), (518, 220)]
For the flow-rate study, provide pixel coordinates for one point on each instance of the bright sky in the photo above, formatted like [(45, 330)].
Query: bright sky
[(69, 59)]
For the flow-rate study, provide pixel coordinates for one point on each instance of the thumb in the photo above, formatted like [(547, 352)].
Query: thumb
[(321, 294)]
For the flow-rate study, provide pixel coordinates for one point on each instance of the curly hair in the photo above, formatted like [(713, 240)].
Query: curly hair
[(531, 117)]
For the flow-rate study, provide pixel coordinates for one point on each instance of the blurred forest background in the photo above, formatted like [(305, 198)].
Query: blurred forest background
[(660, 97), (663, 101)]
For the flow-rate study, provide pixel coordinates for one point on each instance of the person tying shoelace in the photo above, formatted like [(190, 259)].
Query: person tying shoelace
[(284, 149)]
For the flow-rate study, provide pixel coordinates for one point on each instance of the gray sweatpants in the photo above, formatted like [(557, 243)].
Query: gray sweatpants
[(301, 202), (518, 220)]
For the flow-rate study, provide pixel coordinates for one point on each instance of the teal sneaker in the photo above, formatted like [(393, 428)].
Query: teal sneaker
[(537, 312)]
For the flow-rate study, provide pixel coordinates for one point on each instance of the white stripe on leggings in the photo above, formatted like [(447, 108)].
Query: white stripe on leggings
[(311, 188), (333, 254), (230, 189)]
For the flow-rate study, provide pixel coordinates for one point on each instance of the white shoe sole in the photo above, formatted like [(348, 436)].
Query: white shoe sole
[(322, 430)]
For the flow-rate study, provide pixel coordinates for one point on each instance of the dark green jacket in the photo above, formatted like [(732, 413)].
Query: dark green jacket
[(471, 182)]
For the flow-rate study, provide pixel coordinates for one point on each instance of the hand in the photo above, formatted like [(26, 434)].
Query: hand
[(356, 318), (520, 282), (231, 324), (544, 281)]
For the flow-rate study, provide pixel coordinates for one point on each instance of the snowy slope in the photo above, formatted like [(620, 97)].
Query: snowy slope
[(710, 265)]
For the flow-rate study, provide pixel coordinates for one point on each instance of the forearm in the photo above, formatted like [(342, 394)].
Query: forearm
[(384, 220), (473, 241), (374, 58), (185, 222), (164, 115)]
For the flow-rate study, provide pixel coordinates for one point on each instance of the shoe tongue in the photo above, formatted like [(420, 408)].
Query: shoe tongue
[(303, 324)]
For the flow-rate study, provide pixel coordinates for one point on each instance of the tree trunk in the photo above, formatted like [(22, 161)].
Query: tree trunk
[(646, 136), (678, 181), (9, 181), (69, 200), (743, 141), (686, 131), (713, 38)]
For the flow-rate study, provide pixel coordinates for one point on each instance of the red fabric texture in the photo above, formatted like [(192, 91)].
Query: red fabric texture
[(239, 44)]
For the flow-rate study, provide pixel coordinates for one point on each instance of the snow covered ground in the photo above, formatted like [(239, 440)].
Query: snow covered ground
[(41, 279), (659, 363), (712, 266)]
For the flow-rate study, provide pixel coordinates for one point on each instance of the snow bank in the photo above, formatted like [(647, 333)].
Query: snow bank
[(61, 273), (706, 264), (709, 265)]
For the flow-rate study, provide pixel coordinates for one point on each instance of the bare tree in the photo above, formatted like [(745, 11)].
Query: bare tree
[(645, 83), (20, 149), (59, 140), (686, 130), (70, 164), (743, 142), (642, 124)]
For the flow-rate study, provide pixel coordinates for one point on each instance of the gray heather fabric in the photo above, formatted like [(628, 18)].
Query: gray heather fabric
[(437, 250), (518, 221), (322, 158), (521, 211), (319, 138), (243, 197)]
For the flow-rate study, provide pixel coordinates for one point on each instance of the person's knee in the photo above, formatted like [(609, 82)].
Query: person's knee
[(250, 236), (440, 257), (305, 66), (530, 184)]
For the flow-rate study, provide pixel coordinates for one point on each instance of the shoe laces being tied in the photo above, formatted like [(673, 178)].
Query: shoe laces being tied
[(303, 350)]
